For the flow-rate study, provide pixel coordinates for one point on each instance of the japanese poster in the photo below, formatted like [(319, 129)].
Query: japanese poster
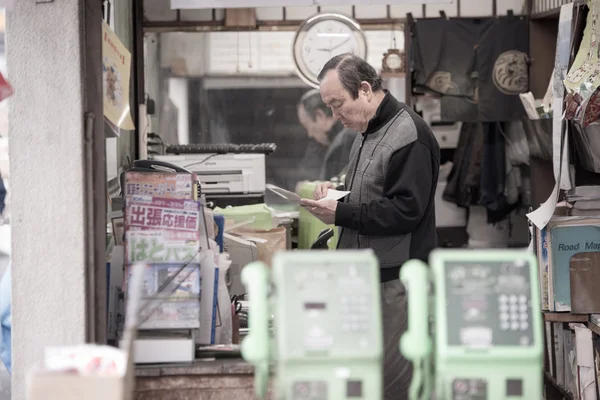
[(158, 247), (116, 71), (155, 213), (178, 186)]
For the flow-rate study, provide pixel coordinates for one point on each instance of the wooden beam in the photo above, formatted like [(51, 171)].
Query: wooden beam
[(565, 317), (240, 17), (287, 25)]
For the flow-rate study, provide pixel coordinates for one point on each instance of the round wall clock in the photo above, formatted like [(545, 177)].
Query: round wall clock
[(393, 61), (322, 37)]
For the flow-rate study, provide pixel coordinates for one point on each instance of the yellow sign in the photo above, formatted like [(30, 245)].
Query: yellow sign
[(585, 70), (116, 67)]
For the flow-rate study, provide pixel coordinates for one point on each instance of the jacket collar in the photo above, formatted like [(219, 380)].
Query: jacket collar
[(388, 108)]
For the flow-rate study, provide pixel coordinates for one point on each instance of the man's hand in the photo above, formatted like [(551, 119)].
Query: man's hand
[(324, 210), (321, 190)]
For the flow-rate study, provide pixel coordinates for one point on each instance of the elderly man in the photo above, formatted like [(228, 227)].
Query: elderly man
[(322, 127), (392, 177)]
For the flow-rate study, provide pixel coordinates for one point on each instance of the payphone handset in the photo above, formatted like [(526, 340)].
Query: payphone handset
[(256, 347), (488, 329), (328, 341)]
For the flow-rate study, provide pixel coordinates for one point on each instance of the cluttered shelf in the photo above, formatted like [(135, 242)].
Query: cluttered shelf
[(565, 317), (560, 391), (594, 327), (569, 317), (232, 366)]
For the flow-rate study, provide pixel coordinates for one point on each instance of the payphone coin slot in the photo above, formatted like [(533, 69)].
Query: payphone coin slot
[(315, 390), (514, 388), (354, 389), (469, 389)]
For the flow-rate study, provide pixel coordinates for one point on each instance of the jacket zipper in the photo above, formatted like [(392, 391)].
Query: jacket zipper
[(362, 142)]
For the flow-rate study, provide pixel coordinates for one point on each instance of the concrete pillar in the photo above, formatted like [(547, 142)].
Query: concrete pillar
[(58, 179)]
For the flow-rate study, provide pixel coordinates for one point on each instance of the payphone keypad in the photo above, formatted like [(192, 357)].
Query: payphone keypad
[(355, 313), (489, 303), (513, 312)]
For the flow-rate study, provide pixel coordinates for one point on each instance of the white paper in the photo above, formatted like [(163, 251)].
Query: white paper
[(292, 197), (562, 174), (541, 216), (585, 362), (547, 100), (284, 194), (209, 273), (528, 102), (333, 194), (565, 175), (557, 108), (584, 347)]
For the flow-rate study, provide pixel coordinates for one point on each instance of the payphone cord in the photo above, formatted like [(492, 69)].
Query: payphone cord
[(416, 385), (420, 386)]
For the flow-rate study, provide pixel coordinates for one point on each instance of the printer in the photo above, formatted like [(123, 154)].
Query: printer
[(229, 174), (226, 179)]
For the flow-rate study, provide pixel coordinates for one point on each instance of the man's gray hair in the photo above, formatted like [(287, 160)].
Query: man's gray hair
[(312, 101), (352, 71)]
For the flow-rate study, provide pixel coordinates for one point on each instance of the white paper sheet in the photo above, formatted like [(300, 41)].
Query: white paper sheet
[(566, 181), (585, 361), (528, 102), (284, 194), (292, 197), (333, 194), (557, 118), (541, 216)]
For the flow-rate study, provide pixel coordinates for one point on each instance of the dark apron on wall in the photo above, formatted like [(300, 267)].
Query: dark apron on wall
[(478, 66)]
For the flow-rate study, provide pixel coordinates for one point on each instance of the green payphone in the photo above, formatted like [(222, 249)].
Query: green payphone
[(487, 332), (327, 336)]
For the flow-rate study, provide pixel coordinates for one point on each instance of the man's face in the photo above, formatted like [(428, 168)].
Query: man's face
[(315, 128), (353, 113)]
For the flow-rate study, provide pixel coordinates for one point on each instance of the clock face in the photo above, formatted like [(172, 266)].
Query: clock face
[(322, 37), (393, 61)]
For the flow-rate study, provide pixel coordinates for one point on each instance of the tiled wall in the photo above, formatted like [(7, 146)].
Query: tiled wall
[(250, 53)]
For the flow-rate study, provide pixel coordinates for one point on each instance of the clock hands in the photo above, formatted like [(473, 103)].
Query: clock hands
[(339, 44), (334, 47)]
